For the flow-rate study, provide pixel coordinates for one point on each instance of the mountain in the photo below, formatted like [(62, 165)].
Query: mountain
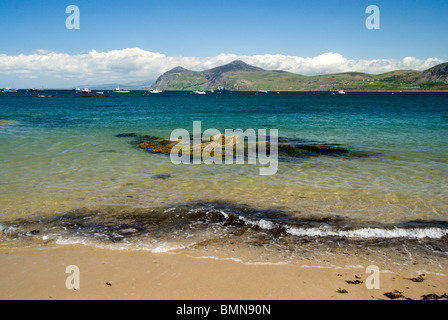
[(236, 75), (436, 74), (239, 75), (183, 79)]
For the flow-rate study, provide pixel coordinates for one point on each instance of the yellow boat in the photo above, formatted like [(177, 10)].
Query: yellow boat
[(117, 90)]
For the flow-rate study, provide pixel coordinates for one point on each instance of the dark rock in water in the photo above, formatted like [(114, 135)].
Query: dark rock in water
[(126, 135), (34, 231), (161, 176), (159, 146), (150, 138), (288, 149), (323, 148), (300, 150)]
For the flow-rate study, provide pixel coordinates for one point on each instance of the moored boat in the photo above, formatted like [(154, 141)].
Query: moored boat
[(155, 91), (118, 90), (8, 89), (199, 92)]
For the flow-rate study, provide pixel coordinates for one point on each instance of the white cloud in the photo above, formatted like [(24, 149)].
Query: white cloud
[(134, 64)]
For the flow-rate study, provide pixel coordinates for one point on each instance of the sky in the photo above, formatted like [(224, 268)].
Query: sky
[(137, 40)]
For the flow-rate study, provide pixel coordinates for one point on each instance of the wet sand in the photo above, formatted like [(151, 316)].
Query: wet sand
[(40, 273)]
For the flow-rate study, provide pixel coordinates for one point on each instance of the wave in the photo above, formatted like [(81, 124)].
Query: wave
[(369, 233), (202, 224)]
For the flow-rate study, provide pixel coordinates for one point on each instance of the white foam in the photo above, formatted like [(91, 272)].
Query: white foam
[(239, 260), (363, 233), (366, 233), (7, 229), (158, 248), (164, 247), (263, 224), (226, 216)]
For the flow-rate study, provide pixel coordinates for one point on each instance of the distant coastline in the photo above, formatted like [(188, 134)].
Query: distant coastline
[(240, 76)]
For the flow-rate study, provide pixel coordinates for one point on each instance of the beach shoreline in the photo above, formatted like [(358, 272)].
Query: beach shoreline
[(39, 273)]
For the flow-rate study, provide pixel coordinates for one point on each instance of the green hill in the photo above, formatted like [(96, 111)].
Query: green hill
[(241, 76)]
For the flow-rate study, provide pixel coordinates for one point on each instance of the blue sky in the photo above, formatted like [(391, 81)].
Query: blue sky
[(207, 28)]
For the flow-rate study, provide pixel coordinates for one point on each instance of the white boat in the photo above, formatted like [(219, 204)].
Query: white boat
[(155, 91), (100, 92), (199, 92), (86, 90), (341, 92), (262, 91)]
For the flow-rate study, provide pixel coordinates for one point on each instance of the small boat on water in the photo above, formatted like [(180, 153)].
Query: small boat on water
[(262, 91), (77, 90), (199, 92), (155, 91), (8, 89), (86, 90), (38, 90), (100, 92), (118, 90), (341, 92)]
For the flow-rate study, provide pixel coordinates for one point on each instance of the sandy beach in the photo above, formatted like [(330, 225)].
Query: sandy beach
[(40, 273)]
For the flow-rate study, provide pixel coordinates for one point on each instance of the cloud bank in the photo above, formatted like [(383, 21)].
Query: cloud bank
[(134, 64)]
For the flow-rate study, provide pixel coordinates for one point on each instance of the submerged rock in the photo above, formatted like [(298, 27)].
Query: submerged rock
[(161, 176), (7, 123), (287, 148), (126, 135), (158, 146), (166, 145), (323, 148), (108, 151)]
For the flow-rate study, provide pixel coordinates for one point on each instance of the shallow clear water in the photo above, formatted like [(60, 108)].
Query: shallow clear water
[(61, 153)]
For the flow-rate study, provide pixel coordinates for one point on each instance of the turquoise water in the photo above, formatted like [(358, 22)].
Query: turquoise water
[(61, 153)]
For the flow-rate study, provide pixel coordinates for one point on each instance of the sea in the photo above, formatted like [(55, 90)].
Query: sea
[(71, 172)]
